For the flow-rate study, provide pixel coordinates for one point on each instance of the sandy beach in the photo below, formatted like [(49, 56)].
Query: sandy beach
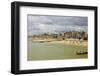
[(68, 42)]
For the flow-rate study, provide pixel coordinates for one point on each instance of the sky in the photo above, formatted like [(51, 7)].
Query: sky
[(39, 24)]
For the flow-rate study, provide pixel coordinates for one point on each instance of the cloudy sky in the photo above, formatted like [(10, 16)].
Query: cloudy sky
[(38, 24)]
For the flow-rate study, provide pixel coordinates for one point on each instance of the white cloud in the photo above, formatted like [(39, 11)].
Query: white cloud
[(41, 24)]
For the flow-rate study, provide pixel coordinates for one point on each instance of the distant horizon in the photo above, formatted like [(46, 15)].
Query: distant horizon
[(39, 24)]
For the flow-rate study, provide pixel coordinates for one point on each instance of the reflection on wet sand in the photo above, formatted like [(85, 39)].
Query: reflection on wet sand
[(54, 50)]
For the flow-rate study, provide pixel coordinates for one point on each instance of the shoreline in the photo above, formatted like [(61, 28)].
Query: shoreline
[(68, 42)]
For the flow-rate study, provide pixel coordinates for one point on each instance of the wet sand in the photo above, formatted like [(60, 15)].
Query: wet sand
[(54, 50)]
